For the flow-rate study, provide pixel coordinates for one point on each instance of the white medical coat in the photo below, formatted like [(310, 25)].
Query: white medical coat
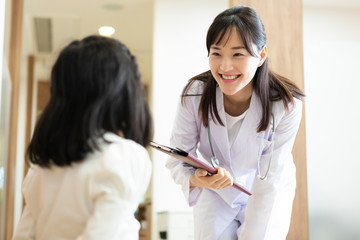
[(93, 199), (266, 214)]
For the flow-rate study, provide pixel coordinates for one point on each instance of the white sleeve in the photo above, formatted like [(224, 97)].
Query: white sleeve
[(116, 191), (25, 229), (185, 135), (268, 212)]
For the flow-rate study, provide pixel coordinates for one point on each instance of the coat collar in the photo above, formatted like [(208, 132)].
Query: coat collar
[(247, 131)]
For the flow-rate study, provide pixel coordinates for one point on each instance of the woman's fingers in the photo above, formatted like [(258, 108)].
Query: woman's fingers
[(200, 172), (199, 179), (224, 184), (223, 179)]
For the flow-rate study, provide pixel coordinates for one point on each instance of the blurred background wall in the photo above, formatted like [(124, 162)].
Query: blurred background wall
[(332, 84)]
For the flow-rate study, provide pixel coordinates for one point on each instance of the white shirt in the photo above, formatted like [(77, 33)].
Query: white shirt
[(92, 199), (233, 124)]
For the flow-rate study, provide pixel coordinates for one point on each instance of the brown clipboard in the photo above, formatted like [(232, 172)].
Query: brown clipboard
[(193, 161)]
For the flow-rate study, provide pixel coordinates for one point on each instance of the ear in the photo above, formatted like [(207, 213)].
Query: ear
[(263, 55)]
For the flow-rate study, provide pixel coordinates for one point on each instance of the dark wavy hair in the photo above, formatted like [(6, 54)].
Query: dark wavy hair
[(95, 88), (268, 86)]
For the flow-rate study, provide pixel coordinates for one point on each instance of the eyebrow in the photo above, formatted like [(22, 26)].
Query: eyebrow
[(234, 48)]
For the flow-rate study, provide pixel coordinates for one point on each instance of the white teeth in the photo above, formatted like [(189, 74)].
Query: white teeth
[(229, 77)]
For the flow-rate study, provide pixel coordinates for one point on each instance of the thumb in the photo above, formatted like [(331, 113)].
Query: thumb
[(200, 172)]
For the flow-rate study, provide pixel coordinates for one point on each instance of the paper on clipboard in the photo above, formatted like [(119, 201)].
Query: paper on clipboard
[(191, 160)]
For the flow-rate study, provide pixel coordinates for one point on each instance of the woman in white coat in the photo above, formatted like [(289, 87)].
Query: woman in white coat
[(249, 116)]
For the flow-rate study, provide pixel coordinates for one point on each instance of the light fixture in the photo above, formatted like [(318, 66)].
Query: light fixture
[(106, 31), (112, 6)]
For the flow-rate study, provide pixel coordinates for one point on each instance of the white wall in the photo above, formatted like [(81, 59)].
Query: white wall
[(332, 83), (179, 53)]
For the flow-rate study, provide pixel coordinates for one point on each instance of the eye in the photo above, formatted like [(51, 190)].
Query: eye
[(215, 54), (238, 54)]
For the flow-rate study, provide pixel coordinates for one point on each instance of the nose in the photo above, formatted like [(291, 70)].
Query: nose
[(226, 65)]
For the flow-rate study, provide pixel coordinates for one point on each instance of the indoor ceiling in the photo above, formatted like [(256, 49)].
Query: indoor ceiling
[(67, 20), (132, 19)]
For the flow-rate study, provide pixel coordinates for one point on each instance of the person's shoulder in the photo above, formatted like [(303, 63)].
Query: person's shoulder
[(123, 145), (125, 154), (121, 163), (196, 87), (279, 110), (297, 104)]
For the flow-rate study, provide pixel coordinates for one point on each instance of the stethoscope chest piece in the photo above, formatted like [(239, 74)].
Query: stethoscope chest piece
[(214, 161), (261, 177)]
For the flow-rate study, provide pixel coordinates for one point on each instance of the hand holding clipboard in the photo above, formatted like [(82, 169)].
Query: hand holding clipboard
[(191, 160)]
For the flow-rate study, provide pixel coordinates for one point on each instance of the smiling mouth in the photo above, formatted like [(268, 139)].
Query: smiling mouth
[(229, 77)]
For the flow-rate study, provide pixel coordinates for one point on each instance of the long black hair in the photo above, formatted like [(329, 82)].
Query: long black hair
[(268, 86), (95, 88)]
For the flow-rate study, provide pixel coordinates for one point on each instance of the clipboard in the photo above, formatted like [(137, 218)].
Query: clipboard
[(193, 161)]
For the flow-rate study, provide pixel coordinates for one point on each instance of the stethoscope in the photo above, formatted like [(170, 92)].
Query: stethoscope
[(215, 162)]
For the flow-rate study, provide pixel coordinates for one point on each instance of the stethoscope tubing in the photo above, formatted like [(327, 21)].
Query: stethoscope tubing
[(215, 162)]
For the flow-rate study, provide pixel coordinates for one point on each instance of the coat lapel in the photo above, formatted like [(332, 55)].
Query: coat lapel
[(218, 132), (250, 123), (245, 150)]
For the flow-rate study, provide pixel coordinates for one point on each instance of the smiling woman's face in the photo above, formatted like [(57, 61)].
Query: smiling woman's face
[(232, 66)]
